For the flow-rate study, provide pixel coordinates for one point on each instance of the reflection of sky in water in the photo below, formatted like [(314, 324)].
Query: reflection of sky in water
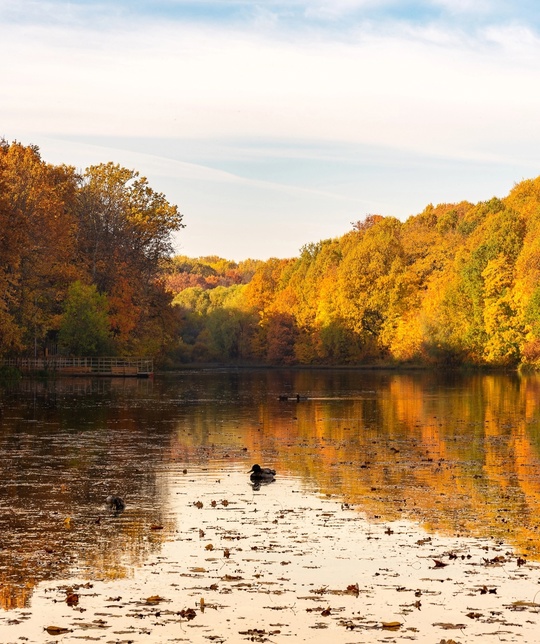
[(459, 456), (285, 563)]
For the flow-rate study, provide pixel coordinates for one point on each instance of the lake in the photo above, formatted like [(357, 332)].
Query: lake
[(405, 508)]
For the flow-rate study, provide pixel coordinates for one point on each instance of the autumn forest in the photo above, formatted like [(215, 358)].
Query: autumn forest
[(88, 268)]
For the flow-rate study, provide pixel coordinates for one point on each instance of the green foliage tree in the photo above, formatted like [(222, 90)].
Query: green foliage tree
[(85, 330), (124, 237)]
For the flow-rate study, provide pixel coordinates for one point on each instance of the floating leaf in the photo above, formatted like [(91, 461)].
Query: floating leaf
[(187, 613), (209, 546), (198, 504), (57, 630), (72, 599), (154, 599), (521, 603), (391, 626)]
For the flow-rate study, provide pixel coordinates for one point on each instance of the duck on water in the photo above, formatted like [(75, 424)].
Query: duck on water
[(259, 473), (115, 503)]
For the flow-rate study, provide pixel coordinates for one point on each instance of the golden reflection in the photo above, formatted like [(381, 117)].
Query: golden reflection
[(458, 459), (456, 455)]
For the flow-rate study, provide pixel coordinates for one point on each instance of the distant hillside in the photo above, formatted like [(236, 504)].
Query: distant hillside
[(456, 284)]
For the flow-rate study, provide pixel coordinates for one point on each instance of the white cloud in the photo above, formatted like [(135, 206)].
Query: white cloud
[(465, 6), (428, 91), (333, 9), (206, 83)]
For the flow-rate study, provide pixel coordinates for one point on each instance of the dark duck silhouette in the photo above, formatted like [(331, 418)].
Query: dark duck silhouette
[(259, 473), (115, 503)]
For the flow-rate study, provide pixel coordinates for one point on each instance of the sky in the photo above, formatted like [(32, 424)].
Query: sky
[(275, 124)]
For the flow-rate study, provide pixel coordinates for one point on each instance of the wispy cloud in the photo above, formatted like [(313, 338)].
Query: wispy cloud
[(301, 99)]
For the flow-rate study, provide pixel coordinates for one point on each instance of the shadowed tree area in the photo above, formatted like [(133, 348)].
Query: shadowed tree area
[(105, 236)]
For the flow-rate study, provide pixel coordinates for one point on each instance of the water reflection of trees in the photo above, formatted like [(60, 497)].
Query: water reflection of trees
[(66, 446), (457, 453)]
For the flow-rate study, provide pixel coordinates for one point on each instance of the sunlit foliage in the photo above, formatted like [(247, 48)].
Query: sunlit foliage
[(456, 284), (106, 229)]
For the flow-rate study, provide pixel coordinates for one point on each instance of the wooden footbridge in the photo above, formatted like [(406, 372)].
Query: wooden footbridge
[(111, 367)]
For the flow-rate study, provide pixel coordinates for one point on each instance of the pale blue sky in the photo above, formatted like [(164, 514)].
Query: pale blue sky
[(273, 124)]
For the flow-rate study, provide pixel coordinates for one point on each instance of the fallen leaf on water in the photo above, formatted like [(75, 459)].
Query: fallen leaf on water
[(156, 527), (57, 630), (209, 546), (495, 561), (187, 613), (198, 504), (226, 553), (521, 603), (448, 626), (72, 599), (154, 599), (439, 563), (391, 626)]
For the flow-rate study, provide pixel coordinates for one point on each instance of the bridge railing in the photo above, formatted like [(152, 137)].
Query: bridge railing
[(102, 366)]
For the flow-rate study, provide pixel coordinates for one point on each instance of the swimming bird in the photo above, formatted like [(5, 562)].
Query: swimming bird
[(259, 473), (115, 503)]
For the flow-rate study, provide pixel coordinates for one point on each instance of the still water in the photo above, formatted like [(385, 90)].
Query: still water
[(405, 505)]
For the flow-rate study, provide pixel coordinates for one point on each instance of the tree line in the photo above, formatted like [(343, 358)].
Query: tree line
[(82, 258), (87, 267), (458, 284)]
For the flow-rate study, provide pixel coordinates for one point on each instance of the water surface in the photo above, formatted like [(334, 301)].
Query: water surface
[(380, 475)]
